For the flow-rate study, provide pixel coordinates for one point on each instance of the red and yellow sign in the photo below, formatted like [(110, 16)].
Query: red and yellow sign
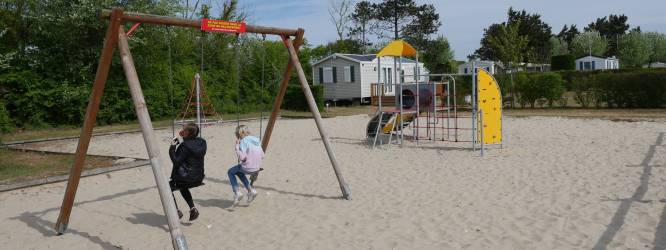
[(213, 25)]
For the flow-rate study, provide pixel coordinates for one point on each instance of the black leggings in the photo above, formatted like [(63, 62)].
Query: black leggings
[(184, 191)]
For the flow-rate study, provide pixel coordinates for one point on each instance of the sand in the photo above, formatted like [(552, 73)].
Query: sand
[(557, 184)]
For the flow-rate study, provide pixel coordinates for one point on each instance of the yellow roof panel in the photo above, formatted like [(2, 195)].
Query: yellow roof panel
[(397, 48)]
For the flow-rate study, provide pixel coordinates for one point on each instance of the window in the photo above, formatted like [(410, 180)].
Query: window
[(593, 66), (328, 75), (416, 71), (580, 65), (465, 70), (352, 74), (347, 74)]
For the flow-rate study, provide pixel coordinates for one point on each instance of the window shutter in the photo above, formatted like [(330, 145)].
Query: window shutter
[(351, 69), (321, 75), (335, 75)]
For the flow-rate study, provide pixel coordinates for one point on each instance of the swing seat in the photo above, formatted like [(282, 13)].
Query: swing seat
[(178, 185)]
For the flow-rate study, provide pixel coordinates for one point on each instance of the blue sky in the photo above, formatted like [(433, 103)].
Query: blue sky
[(463, 21)]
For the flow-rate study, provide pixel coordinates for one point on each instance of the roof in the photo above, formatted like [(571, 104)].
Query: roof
[(359, 58), (398, 48), (597, 56)]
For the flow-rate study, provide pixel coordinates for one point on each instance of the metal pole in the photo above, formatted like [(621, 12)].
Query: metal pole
[(293, 56), (197, 79), (474, 106), (482, 142), (177, 237), (401, 82), (418, 102), (89, 120), (448, 111)]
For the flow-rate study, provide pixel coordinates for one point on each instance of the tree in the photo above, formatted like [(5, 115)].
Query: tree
[(558, 46), (656, 46), (418, 32), (361, 18), (537, 32), (531, 26), (339, 12), (486, 51), (634, 51), (438, 56), (568, 33), (406, 20), (589, 42), (610, 27), (509, 44)]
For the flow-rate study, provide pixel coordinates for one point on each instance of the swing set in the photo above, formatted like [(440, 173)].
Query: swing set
[(116, 36)]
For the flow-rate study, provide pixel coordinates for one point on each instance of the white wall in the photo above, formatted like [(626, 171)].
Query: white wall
[(596, 63), (488, 66)]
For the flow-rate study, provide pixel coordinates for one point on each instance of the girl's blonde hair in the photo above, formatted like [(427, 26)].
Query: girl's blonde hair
[(242, 131)]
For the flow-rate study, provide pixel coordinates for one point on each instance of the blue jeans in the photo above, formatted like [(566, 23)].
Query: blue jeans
[(237, 171)]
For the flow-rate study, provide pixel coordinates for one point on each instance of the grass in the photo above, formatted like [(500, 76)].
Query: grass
[(19, 165)]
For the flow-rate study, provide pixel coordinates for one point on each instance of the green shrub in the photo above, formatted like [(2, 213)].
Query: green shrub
[(294, 99), (6, 123), (563, 62)]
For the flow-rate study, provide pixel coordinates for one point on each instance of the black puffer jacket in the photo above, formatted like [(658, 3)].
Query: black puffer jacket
[(188, 160)]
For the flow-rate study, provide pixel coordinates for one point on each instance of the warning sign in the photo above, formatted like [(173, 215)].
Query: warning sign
[(213, 25)]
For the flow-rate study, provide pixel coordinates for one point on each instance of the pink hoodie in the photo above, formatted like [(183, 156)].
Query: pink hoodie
[(250, 157)]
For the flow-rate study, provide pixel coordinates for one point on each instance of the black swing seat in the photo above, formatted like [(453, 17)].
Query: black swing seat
[(178, 185)]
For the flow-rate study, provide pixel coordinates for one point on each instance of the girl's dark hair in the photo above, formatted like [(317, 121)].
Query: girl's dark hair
[(192, 130)]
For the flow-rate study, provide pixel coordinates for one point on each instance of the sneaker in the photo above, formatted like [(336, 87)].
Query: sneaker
[(180, 214), (194, 214), (238, 196), (251, 195)]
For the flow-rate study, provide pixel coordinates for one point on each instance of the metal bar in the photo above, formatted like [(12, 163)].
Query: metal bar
[(379, 123), (418, 102), (482, 142), (177, 237), (401, 82), (280, 96), (89, 120), (474, 114), (197, 80), (293, 56), (191, 23)]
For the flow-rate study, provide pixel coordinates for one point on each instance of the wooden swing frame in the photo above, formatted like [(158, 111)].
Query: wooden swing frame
[(116, 36)]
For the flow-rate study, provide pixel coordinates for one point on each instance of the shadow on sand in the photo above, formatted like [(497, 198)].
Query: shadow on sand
[(625, 204)]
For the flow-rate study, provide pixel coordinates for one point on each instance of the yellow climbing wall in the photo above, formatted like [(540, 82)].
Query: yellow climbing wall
[(490, 103)]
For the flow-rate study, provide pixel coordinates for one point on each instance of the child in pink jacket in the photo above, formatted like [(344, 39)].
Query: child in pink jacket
[(250, 155)]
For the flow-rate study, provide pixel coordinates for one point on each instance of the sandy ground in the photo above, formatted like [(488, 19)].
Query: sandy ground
[(557, 184)]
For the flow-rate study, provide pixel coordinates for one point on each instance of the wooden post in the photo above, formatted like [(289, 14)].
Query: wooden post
[(177, 237), (89, 121), (293, 56), (280, 96)]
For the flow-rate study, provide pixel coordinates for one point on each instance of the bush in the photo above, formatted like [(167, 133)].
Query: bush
[(6, 123), (536, 86), (563, 62), (294, 99)]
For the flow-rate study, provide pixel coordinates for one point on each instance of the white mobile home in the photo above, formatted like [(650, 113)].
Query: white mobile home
[(349, 76), (596, 63), (490, 66)]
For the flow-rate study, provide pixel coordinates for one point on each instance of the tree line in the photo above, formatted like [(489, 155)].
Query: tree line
[(524, 37)]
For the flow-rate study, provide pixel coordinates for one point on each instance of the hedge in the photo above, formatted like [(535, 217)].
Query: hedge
[(627, 88), (294, 99), (563, 62)]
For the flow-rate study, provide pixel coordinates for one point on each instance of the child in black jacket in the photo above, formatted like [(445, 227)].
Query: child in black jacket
[(188, 165)]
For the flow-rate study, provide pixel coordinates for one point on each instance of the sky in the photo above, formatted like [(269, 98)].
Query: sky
[(463, 21)]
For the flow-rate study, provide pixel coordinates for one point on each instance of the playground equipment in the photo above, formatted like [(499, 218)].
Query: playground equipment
[(198, 104), (116, 35), (430, 103)]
